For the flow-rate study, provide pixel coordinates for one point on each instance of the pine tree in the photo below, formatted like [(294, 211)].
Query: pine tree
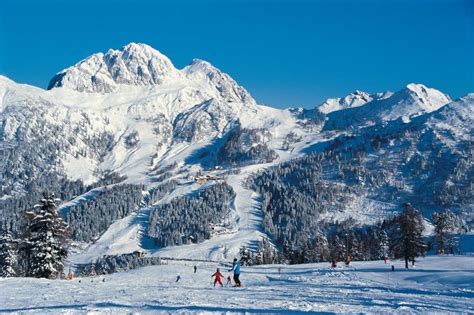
[(45, 240), (289, 252), (268, 252), (8, 255), (446, 224), (383, 244), (245, 257), (338, 249), (410, 242), (321, 248)]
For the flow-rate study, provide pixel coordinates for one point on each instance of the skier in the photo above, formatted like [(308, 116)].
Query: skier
[(229, 281), (218, 276), (195, 268), (178, 278), (236, 270)]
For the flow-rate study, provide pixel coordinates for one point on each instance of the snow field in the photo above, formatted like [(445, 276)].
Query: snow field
[(434, 285)]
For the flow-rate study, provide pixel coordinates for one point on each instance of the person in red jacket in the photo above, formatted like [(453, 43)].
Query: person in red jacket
[(218, 276)]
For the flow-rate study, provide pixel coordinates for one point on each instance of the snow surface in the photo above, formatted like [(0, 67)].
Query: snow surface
[(434, 285)]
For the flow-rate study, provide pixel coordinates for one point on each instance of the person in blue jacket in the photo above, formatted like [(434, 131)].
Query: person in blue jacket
[(236, 270)]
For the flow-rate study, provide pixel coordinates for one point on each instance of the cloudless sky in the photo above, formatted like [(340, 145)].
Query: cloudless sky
[(286, 53)]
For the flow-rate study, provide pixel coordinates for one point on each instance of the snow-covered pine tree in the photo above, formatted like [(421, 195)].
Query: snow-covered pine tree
[(337, 248), (45, 236), (410, 242), (383, 244), (8, 255), (268, 252), (288, 251), (446, 225), (321, 248), (245, 257)]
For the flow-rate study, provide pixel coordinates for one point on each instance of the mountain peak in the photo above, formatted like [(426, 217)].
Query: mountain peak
[(138, 46), (134, 64), (354, 99), (136, 50), (197, 61), (202, 66), (137, 64), (203, 71), (427, 99), (411, 101)]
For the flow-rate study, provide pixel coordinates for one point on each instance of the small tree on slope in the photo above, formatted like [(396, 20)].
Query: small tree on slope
[(410, 243), (45, 240), (7, 255)]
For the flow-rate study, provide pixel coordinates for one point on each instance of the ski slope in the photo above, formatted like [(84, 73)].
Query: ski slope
[(245, 229), (129, 234), (434, 285)]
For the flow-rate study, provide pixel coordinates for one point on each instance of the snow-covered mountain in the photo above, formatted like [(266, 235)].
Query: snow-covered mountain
[(428, 158), (134, 64), (413, 100), (354, 99), (140, 65), (133, 91), (129, 117)]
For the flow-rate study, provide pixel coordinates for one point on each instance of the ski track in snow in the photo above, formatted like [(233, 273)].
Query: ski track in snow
[(435, 284)]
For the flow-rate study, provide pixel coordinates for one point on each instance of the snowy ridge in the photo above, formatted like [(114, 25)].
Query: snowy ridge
[(223, 85), (412, 101), (355, 99)]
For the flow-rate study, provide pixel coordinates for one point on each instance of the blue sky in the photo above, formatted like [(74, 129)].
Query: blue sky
[(286, 53)]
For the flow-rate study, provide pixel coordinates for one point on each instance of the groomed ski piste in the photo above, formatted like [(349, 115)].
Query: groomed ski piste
[(433, 285)]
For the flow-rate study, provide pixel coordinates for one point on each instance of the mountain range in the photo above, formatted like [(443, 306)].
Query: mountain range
[(129, 124)]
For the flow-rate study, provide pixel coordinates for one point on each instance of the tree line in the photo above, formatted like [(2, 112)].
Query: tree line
[(188, 219), (398, 237)]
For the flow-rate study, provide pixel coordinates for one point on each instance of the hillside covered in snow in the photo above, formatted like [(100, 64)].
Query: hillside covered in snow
[(185, 163)]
